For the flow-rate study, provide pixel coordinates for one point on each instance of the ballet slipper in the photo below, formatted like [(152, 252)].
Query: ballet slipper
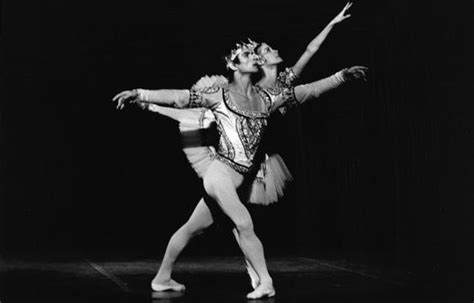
[(172, 285), (262, 291)]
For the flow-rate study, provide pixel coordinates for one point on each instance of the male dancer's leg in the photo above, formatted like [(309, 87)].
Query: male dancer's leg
[(220, 183), (200, 219), (254, 278)]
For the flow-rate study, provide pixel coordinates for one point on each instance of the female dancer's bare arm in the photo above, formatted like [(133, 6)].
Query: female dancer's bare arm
[(314, 45), (315, 89)]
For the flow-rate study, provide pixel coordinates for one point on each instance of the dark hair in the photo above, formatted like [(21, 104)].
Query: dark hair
[(235, 61), (259, 45), (230, 72)]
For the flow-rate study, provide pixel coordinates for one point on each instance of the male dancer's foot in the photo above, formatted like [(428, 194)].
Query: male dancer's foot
[(264, 290), (254, 279), (160, 284)]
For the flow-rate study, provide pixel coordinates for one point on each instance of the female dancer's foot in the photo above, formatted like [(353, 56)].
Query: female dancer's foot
[(264, 290), (166, 284)]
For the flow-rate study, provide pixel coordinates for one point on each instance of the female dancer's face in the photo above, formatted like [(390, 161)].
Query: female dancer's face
[(269, 54)]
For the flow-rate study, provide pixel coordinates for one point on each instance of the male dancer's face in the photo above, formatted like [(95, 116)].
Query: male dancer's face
[(248, 62)]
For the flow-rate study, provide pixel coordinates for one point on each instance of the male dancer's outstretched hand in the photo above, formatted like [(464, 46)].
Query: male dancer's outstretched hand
[(355, 72), (125, 96)]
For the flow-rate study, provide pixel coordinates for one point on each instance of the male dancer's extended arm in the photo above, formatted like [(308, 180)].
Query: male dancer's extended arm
[(178, 98)]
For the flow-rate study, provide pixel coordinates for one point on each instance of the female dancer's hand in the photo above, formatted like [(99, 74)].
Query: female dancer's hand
[(355, 72), (342, 15), (125, 96)]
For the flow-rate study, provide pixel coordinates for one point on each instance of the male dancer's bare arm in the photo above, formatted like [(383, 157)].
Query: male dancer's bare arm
[(178, 98), (316, 43)]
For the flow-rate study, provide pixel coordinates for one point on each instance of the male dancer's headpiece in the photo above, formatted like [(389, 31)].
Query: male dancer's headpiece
[(239, 48)]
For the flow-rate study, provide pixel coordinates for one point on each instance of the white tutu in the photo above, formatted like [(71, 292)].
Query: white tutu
[(271, 181), (195, 123)]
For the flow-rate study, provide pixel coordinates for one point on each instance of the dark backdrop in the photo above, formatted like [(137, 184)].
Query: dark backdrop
[(382, 168)]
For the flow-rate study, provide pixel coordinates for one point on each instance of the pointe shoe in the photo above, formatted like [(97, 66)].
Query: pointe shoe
[(171, 286), (254, 279), (262, 291)]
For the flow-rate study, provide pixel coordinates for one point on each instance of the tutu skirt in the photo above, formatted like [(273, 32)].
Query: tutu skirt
[(195, 125), (270, 181)]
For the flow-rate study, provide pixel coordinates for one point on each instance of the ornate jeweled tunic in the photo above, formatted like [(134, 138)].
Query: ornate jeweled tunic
[(240, 131)]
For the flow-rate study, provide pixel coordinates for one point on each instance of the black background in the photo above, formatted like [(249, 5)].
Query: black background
[(383, 169)]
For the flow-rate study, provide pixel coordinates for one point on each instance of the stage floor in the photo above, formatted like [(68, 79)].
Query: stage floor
[(207, 279)]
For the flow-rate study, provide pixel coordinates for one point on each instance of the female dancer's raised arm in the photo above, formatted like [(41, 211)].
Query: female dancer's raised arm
[(314, 45)]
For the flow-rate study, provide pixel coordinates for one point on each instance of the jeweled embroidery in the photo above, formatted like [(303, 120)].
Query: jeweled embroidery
[(195, 98), (225, 145), (242, 112), (286, 77), (235, 166), (210, 89), (250, 132), (289, 95), (195, 95)]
